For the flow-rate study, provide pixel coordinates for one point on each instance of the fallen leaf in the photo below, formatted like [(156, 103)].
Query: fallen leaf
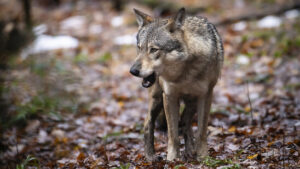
[(252, 156), (80, 158), (232, 129)]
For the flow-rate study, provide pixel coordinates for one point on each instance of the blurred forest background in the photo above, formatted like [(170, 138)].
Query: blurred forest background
[(67, 99)]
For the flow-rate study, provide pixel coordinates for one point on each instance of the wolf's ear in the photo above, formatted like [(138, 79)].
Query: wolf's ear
[(177, 21), (179, 17), (142, 18)]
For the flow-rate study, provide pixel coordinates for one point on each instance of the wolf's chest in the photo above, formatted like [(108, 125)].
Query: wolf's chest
[(193, 88)]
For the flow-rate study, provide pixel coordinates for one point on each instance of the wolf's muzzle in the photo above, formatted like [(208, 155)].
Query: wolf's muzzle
[(149, 80), (134, 71)]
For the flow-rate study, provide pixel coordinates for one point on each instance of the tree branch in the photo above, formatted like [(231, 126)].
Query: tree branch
[(277, 10)]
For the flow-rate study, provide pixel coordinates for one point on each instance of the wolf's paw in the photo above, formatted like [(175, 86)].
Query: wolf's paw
[(202, 152), (188, 155), (189, 151), (153, 158), (173, 156)]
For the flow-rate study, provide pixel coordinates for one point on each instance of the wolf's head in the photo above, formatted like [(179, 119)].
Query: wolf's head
[(160, 46)]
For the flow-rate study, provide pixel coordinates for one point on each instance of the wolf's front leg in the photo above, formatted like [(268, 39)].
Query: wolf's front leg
[(155, 107), (171, 106)]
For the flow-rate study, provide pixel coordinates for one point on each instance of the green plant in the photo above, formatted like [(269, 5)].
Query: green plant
[(113, 134), (40, 69), (180, 166), (81, 58), (30, 160), (38, 104), (213, 162), (123, 166), (105, 57), (233, 166)]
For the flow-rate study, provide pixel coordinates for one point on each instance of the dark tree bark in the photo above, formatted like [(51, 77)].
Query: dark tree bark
[(27, 11)]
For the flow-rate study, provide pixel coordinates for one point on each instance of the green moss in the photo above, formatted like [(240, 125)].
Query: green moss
[(123, 166), (265, 35), (105, 57), (40, 69), (179, 166), (213, 162), (113, 134), (80, 58), (38, 104)]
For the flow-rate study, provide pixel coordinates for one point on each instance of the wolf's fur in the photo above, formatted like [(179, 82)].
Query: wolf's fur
[(180, 59)]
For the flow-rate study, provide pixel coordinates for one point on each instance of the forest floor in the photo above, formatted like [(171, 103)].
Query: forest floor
[(78, 107)]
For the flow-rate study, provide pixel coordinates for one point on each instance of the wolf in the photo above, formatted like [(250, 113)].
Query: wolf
[(180, 60)]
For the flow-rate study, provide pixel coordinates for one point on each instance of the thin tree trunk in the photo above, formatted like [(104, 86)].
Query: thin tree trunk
[(27, 11)]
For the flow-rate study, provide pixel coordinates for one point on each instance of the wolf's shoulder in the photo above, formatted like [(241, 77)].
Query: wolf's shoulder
[(195, 21)]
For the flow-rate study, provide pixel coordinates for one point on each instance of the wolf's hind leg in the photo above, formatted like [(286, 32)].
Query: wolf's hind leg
[(203, 113), (161, 121), (186, 123)]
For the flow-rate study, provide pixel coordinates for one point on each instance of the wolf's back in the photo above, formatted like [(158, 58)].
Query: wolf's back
[(219, 45), (206, 31)]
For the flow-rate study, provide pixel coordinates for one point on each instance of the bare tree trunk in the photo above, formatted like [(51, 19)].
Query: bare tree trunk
[(27, 11)]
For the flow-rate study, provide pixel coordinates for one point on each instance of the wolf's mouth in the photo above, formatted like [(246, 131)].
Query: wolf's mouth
[(149, 80)]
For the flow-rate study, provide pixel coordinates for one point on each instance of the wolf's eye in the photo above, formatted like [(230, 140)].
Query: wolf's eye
[(152, 50), (156, 57)]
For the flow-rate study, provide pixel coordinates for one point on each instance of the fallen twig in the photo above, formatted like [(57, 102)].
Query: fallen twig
[(276, 10), (251, 110)]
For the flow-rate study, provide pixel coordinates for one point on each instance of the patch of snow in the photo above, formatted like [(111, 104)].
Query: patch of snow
[(270, 153), (297, 124), (214, 131), (250, 163), (46, 43), (233, 117), (66, 161), (16, 148), (131, 136), (243, 60), (74, 22), (40, 29), (269, 22), (233, 147), (58, 133), (117, 21), (98, 120), (254, 96), (42, 137), (291, 14), (82, 143), (95, 29), (225, 166), (79, 122), (125, 40), (240, 26)]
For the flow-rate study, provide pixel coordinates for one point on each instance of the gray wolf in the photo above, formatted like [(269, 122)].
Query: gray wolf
[(179, 59)]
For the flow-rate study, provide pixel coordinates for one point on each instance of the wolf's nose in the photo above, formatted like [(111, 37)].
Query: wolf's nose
[(134, 71)]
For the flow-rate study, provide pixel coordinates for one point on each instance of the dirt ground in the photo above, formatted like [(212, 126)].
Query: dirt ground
[(77, 106)]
